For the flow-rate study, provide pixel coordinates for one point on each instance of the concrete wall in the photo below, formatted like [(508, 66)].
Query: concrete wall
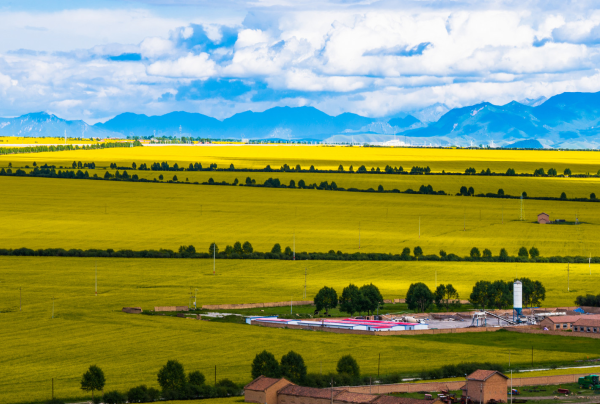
[(255, 305), (455, 385), (259, 397)]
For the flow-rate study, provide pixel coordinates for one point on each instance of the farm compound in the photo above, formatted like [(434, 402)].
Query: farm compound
[(347, 323)]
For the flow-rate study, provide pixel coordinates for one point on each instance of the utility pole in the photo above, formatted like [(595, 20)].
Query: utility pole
[(419, 226), (532, 356), (214, 262), (305, 273), (378, 365), (568, 273), (590, 263), (96, 277), (294, 257), (52, 307), (359, 235), (20, 300), (291, 304)]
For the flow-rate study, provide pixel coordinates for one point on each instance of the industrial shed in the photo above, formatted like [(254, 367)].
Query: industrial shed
[(587, 324), (485, 385), (557, 323)]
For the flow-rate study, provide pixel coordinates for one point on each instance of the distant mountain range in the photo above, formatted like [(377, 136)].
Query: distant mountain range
[(568, 120)]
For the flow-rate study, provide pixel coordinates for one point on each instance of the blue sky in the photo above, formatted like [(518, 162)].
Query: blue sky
[(94, 59)]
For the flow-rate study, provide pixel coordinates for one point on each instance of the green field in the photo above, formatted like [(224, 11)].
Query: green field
[(130, 348), (67, 213)]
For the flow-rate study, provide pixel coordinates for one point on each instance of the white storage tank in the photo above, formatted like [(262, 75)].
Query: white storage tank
[(518, 297)]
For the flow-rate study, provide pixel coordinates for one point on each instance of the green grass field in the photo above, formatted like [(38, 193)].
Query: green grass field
[(131, 348), (66, 213)]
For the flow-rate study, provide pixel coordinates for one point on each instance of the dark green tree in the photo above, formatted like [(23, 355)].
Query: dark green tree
[(351, 299), (247, 248), (523, 252), (487, 253), (592, 196), (419, 297), (293, 367), (446, 296), (237, 248), (567, 171), (348, 365), (471, 191), (276, 249), (504, 255), (175, 178), (500, 295), (160, 177), (475, 253), (327, 298), (93, 380), (418, 251), (196, 378), (443, 253), (341, 168), (534, 252), (533, 292), (501, 192), (265, 364), (480, 296), (172, 376), (372, 298), (214, 248)]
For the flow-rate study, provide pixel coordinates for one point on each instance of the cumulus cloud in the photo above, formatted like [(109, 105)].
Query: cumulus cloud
[(371, 58), (189, 66)]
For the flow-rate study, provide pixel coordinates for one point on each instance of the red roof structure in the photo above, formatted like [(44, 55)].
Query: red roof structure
[(261, 383), (483, 375)]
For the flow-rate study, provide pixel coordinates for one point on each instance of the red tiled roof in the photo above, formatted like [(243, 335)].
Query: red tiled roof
[(360, 398), (563, 319), (299, 391), (483, 375), (401, 400), (261, 383), (588, 321)]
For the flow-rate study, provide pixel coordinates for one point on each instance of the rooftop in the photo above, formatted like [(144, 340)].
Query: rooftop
[(299, 391), (483, 375), (261, 383), (360, 398), (401, 400)]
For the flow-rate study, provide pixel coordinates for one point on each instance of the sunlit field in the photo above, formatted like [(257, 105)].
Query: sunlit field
[(131, 348), (68, 213), (330, 157)]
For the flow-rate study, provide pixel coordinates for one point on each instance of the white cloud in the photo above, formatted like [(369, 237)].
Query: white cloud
[(190, 66), (155, 47)]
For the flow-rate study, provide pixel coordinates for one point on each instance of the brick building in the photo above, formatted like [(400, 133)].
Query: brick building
[(559, 323), (587, 324), (263, 390), (543, 218), (485, 385)]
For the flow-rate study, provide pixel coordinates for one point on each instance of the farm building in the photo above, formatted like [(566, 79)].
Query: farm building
[(485, 385), (543, 218), (348, 324), (281, 391), (587, 324), (557, 323)]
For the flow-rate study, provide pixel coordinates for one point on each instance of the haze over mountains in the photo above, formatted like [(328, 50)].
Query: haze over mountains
[(568, 120)]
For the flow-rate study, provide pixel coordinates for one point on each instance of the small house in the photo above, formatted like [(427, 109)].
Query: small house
[(587, 324), (543, 218), (485, 385), (559, 323), (263, 390)]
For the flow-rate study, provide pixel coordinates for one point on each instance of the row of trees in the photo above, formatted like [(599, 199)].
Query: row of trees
[(174, 382), (533, 252), (588, 300), (367, 299), (293, 368), (42, 149), (485, 294)]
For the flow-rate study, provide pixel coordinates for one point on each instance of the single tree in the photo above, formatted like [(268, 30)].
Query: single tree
[(237, 247), (443, 253), (487, 253), (214, 248), (592, 196), (501, 192), (93, 380), (350, 300), (534, 252), (475, 253), (175, 178), (172, 376), (523, 252), (419, 297), (504, 255), (471, 191), (348, 365), (417, 251), (327, 298), (196, 378), (265, 364), (372, 299), (446, 296), (293, 367), (247, 247), (276, 249), (500, 295), (160, 177), (480, 295), (567, 171)]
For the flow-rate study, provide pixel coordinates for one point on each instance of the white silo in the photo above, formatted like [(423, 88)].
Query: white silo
[(517, 299)]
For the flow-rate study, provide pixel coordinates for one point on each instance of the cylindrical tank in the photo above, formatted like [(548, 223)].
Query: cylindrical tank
[(518, 295)]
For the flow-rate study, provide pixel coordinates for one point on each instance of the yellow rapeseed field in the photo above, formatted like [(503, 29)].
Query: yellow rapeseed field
[(330, 157), (68, 213), (130, 349)]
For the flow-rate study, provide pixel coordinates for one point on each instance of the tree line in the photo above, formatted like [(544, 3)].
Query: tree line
[(464, 191), (485, 294), (367, 299), (588, 300), (58, 148), (277, 253), (174, 382)]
